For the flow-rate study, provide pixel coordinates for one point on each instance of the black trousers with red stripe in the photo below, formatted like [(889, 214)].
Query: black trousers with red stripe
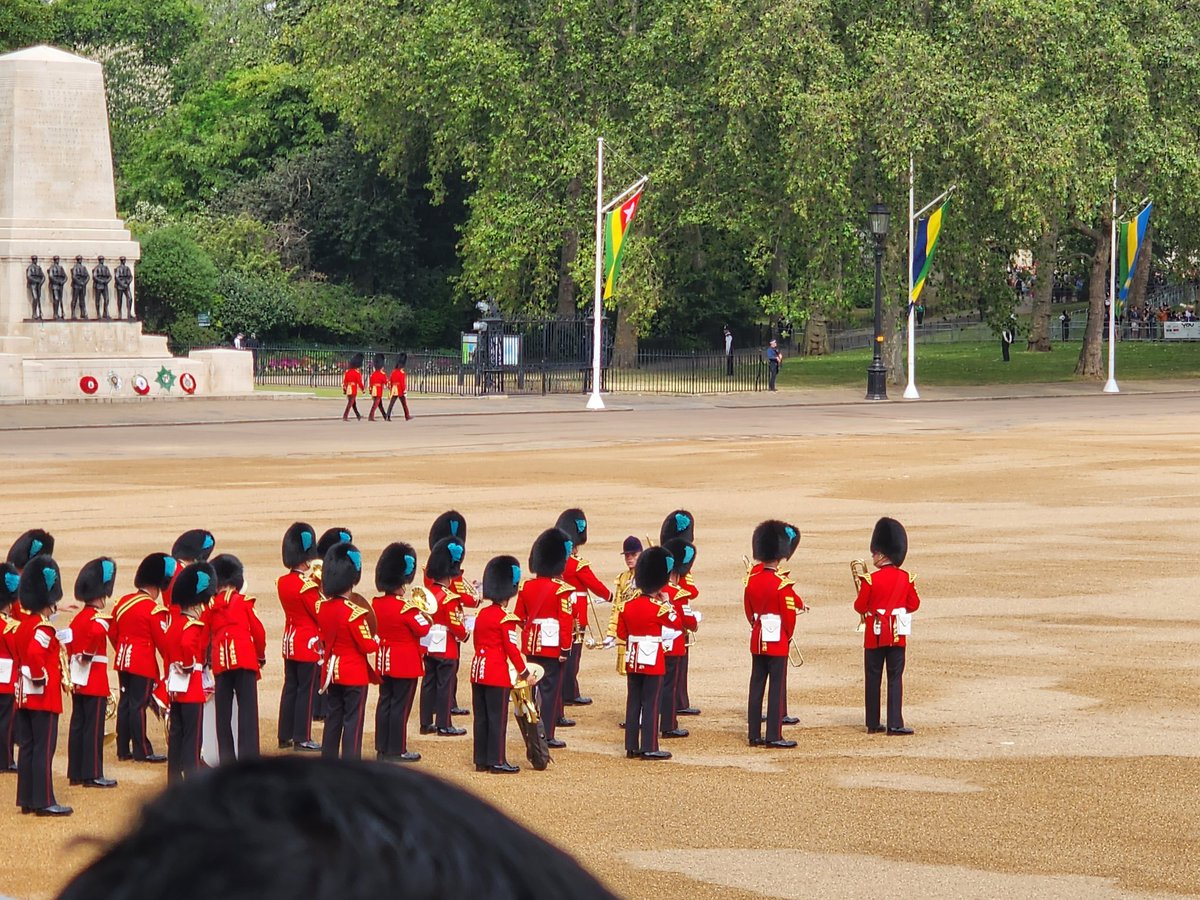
[(666, 704), (549, 693), (133, 700), (570, 688), (85, 738), (395, 705), (437, 691), (243, 684), (37, 739), (8, 735), (344, 714), (296, 702), (682, 701), (642, 698), (490, 708), (764, 669), (184, 733)]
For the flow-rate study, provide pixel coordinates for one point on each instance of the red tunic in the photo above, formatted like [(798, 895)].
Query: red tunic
[(378, 382), (640, 624), (186, 646), (352, 383), (449, 615), (579, 575), (541, 602), (348, 639), (40, 661), (8, 654), (89, 638), (880, 595), (402, 624), (399, 382), (298, 595), (460, 586), (678, 597), (496, 637), (769, 593), (239, 640), (137, 629)]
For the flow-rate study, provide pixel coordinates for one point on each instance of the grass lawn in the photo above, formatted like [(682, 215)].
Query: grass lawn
[(980, 363)]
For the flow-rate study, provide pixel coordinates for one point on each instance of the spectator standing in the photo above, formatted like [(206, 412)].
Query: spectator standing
[(728, 352), (774, 359)]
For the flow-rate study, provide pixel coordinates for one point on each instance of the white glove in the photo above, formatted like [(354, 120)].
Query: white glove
[(64, 635), (699, 616), (469, 624), (609, 643)]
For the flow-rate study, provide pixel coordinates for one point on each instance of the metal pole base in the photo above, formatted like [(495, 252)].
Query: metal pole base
[(1110, 387), (876, 382), (910, 392), (595, 401)]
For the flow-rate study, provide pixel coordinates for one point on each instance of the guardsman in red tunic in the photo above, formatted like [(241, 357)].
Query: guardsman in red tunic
[(682, 524), (299, 592), (339, 534), (771, 604), (497, 665), (352, 386), (547, 624), (40, 691), (886, 600), (190, 547), (403, 620), (452, 524), (377, 382), (579, 575), (675, 649), (398, 383), (449, 629), (87, 650), (9, 579), (239, 651), (643, 624), (139, 625), (185, 661), (348, 634)]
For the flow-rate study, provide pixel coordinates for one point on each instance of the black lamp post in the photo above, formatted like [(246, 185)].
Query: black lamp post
[(877, 219)]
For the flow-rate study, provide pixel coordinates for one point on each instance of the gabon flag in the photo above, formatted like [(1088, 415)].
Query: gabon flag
[(616, 225), (924, 242)]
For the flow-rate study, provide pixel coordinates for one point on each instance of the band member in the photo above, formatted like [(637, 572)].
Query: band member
[(87, 650), (339, 534), (239, 651), (886, 599), (39, 694), (299, 593), (786, 719), (771, 603), (497, 665), (403, 622), (377, 383), (452, 524), (682, 524), (187, 649), (348, 636), (190, 547), (352, 385), (544, 609), (675, 649), (9, 579), (644, 622), (441, 644), (398, 384), (625, 589), (678, 524), (580, 576), (34, 542), (139, 625)]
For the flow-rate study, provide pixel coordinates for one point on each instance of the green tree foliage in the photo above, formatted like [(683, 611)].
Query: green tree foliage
[(176, 278), (23, 23), (162, 29)]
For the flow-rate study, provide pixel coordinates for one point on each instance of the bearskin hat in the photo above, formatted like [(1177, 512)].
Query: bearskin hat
[(338, 535), (445, 559), (684, 554), (450, 524), (299, 545), (679, 524), (96, 580), (341, 570), (229, 571), (377, 362), (401, 360), (774, 540), (890, 539), (397, 567), (356, 361), (155, 571), (653, 570), (32, 543), (41, 584), (195, 545), (549, 554), (501, 576), (10, 578), (194, 586), (574, 524)]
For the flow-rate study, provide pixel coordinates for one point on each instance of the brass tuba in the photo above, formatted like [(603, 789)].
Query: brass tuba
[(424, 600), (858, 572)]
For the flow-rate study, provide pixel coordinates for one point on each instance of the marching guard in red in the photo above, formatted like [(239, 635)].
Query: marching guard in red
[(87, 651), (771, 604), (398, 385), (239, 651), (449, 629), (352, 386), (187, 645), (675, 649), (348, 635), (377, 382), (497, 665), (139, 625), (643, 624), (403, 622), (547, 624), (886, 600), (9, 579), (578, 573), (452, 524), (299, 592), (682, 524)]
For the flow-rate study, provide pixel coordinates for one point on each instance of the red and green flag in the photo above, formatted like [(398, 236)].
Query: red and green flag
[(616, 225)]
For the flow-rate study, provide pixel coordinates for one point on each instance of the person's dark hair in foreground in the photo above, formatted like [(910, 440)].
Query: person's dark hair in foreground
[(288, 827)]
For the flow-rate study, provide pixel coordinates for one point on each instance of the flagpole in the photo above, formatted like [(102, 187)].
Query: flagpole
[(596, 401), (910, 392), (1110, 386)]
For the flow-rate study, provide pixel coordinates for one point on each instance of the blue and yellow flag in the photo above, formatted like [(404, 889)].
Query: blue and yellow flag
[(924, 242), (1129, 241)]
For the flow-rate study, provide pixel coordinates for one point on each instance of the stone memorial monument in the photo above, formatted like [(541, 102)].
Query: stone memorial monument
[(57, 200)]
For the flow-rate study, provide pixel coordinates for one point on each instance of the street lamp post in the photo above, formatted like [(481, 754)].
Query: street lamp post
[(877, 219)]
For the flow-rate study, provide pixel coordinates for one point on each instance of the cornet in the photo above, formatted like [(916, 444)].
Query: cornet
[(858, 572)]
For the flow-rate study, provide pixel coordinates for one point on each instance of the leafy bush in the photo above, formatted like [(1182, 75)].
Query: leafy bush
[(176, 279), (249, 303)]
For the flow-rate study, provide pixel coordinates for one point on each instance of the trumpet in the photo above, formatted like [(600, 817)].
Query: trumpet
[(858, 573), (424, 600)]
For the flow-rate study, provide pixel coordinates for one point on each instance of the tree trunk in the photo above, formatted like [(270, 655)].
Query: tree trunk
[(1091, 364), (567, 289), (1045, 255), (625, 341), (894, 338), (1141, 277)]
